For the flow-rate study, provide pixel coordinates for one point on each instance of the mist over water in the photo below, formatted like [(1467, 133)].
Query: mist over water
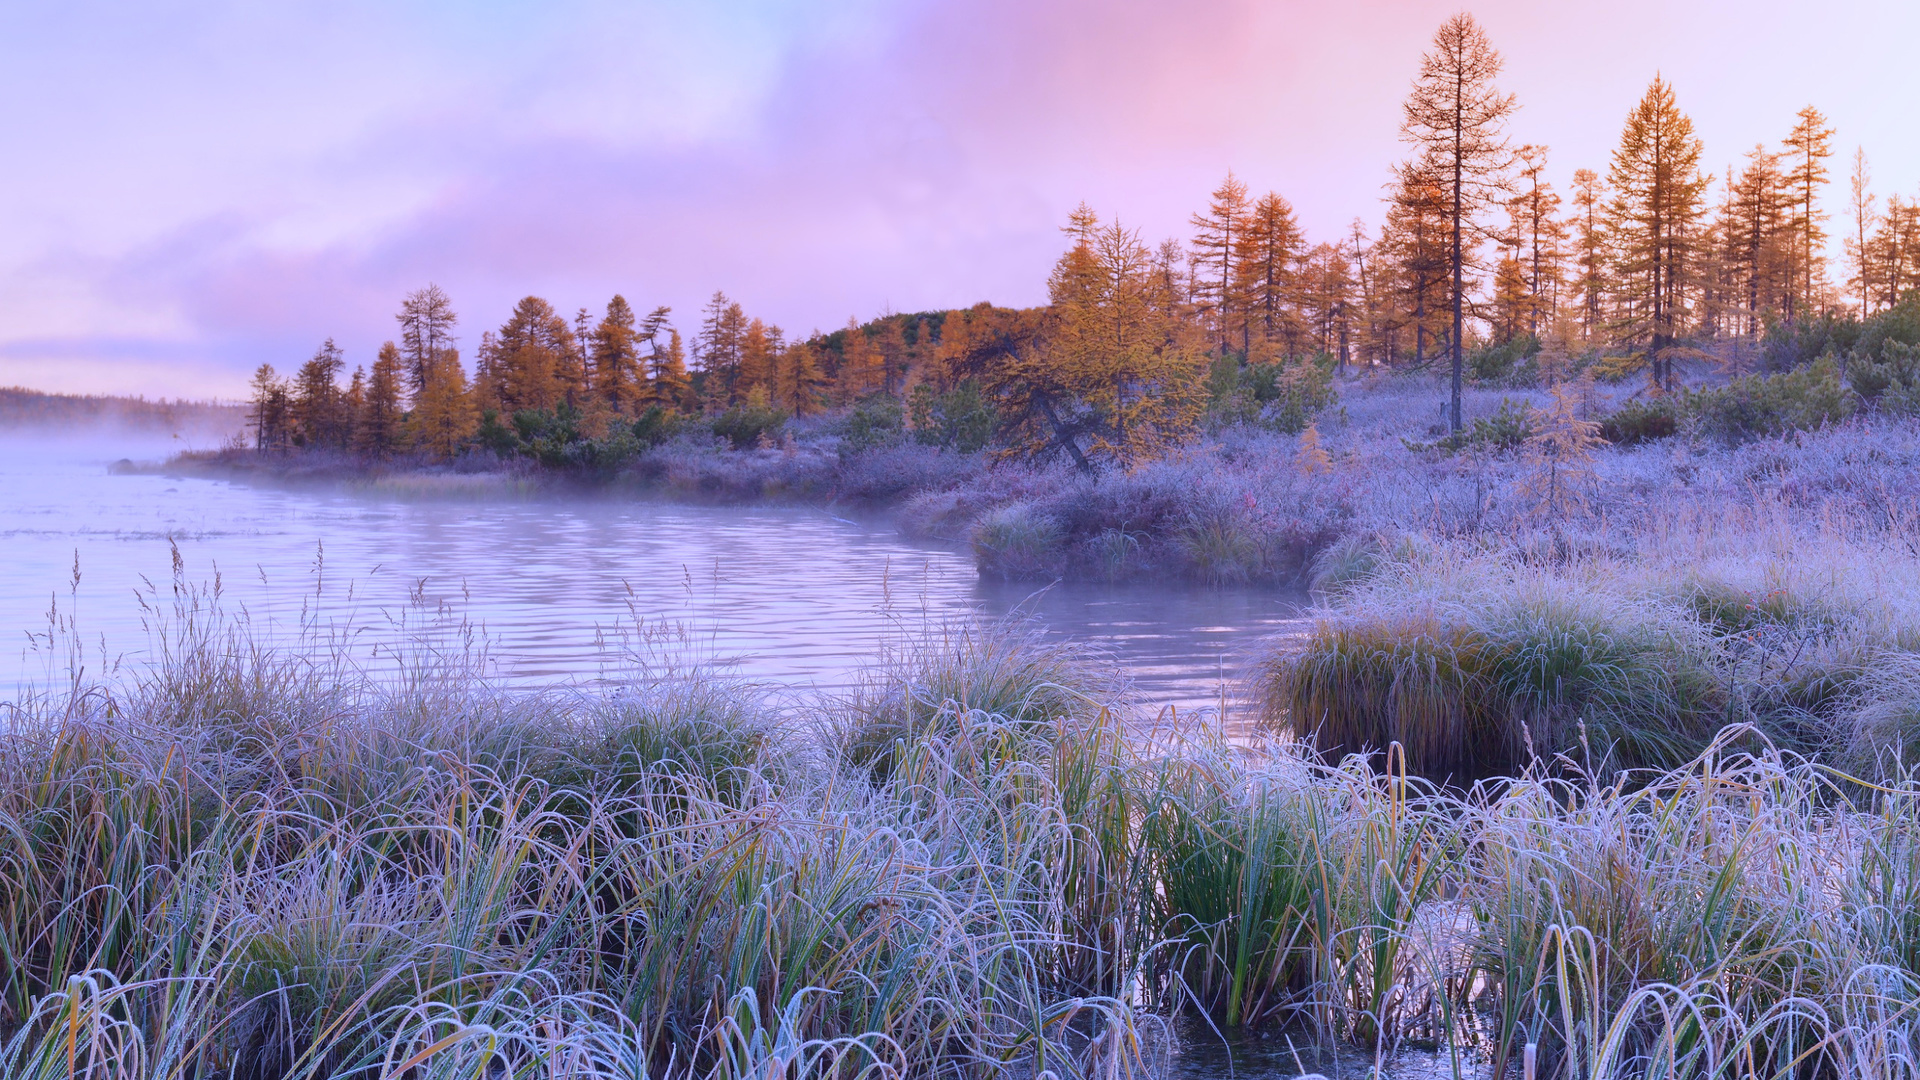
[(550, 590)]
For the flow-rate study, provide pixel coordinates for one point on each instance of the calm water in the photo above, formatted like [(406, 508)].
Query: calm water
[(555, 590)]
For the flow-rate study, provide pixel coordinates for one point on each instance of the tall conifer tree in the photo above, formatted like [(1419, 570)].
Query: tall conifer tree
[(378, 432), (1214, 251), (426, 322), (1457, 119), (1657, 202), (1807, 148)]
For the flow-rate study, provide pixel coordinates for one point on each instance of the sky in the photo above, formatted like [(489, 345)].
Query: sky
[(193, 189)]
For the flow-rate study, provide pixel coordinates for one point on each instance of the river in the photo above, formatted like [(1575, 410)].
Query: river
[(551, 590)]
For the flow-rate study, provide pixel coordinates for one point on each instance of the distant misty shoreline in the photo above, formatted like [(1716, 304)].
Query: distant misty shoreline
[(22, 409)]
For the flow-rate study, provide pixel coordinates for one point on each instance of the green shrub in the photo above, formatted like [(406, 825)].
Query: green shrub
[(1283, 395), (877, 420), (1761, 406), (960, 419), (1641, 420), (750, 423), (1507, 362), (657, 425)]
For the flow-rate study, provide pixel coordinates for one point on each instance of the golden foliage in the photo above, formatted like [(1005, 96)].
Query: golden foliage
[(1560, 453)]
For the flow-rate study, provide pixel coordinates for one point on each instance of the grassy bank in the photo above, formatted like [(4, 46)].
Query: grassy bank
[(1249, 505), (1782, 594), (244, 863)]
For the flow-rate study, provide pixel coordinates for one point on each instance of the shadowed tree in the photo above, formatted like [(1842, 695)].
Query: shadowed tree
[(1416, 241), (271, 410), (1457, 119), (668, 385), (320, 416), (377, 434), (426, 327)]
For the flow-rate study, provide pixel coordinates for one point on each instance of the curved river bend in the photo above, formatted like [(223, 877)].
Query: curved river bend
[(554, 590)]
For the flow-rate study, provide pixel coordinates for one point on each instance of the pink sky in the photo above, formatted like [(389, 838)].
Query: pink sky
[(195, 190)]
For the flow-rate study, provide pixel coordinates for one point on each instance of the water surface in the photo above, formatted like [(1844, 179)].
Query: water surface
[(553, 590)]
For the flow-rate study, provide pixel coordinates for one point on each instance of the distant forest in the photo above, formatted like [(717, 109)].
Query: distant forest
[(22, 408), (1648, 267)]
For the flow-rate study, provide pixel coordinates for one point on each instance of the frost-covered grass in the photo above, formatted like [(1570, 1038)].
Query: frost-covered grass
[(1247, 506), (237, 862), (1774, 585)]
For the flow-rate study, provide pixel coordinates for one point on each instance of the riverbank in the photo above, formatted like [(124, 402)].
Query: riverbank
[(1247, 505), (246, 862)]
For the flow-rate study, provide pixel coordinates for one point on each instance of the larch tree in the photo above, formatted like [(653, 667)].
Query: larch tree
[(1367, 290), (269, 411), (1759, 239), (799, 378), (355, 404), (529, 363), (1172, 284), (1560, 451), (1456, 118), (1860, 201), (862, 368), (1416, 239), (1109, 373), (1270, 244), (669, 386), (426, 322), (444, 416), (1129, 375), (716, 352), (320, 417), (1325, 293), (1215, 241), (1512, 305), (377, 433), (1658, 198), (617, 379), (1590, 248), (895, 355), (1535, 214), (1806, 150), (1894, 251), (760, 346)]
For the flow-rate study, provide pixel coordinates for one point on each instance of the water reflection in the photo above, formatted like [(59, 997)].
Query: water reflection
[(576, 589)]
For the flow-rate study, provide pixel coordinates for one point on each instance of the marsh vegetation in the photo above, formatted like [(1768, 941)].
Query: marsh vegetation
[(1690, 852)]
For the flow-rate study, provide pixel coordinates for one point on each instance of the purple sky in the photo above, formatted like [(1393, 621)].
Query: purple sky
[(194, 188)]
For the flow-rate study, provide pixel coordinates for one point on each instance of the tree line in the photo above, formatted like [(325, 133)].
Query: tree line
[(1656, 260)]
